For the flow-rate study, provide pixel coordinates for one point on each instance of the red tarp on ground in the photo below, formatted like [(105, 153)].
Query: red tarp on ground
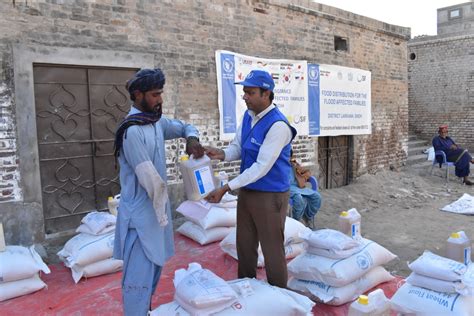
[(102, 295)]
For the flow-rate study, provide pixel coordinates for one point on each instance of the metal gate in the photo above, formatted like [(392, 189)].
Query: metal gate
[(77, 111), (333, 158)]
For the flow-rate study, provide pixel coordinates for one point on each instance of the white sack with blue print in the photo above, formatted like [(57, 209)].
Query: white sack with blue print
[(423, 302), (200, 292), (321, 292), (343, 271)]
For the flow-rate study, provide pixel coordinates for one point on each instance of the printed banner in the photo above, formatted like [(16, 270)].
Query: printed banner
[(318, 100), (291, 89), (345, 101)]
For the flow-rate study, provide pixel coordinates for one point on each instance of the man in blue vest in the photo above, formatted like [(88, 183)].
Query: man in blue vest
[(262, 142)]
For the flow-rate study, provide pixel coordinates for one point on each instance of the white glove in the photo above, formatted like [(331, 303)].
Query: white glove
[(155, 187)]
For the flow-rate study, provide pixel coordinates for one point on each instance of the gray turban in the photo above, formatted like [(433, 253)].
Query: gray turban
[(146, 80)]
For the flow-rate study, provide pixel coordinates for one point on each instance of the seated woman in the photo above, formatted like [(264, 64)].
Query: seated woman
[(454, 153), (306, 202)]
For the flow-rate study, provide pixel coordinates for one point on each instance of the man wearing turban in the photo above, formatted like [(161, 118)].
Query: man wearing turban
[(144, 234), (454, 153)]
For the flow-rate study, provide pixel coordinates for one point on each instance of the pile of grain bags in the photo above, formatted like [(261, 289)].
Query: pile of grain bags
[(201, 292), (294, 245), (336, 269), (89, 253), (19, 272), (208, 222), (436, 286)]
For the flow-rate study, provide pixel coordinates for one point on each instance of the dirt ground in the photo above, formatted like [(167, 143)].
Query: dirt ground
[(401, 211)]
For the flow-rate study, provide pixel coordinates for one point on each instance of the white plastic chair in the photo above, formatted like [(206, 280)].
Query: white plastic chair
[(444, 162)]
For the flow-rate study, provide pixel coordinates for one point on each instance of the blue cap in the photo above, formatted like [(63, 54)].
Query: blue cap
[(259, 79)]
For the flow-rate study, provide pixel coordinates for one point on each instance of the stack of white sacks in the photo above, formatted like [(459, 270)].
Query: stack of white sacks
[(336, 269), (200, 292), (208, 222), (436, 286), (19, 272), (294, 245), (89, 253)]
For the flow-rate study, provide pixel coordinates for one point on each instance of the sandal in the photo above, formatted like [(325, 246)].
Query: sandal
[(467, 182)]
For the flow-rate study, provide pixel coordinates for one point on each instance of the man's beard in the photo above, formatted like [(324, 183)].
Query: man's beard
[(157, 110)]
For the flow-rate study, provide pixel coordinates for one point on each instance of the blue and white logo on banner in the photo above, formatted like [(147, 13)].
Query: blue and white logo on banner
[(313, 100), (228, 93), (228, 64)]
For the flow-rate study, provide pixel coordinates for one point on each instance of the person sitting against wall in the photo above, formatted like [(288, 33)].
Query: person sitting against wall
[(305, 201), (454, 153)]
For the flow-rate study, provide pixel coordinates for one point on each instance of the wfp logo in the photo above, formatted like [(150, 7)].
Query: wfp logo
[(313, 73), (254, 141), (228, 65), (363, 261)]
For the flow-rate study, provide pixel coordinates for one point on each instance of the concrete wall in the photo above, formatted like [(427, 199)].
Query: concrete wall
[(181, 36), (441, 87), (452, 23)]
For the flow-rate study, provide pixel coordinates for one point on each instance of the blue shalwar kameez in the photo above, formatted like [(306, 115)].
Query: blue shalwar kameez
[(459, 156), (140, 241)]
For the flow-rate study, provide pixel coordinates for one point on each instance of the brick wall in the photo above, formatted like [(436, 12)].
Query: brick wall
[(441, 87), (184, 34), (456, 19), (9, 174)]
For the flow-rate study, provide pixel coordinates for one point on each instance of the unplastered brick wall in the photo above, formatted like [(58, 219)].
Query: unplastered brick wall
[(441, 87), (183, 35), (9, 174)]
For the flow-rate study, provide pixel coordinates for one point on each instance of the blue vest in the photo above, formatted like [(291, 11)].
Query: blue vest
[(276, 180)]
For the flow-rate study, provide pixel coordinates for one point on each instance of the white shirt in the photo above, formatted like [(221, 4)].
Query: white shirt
[(278, 136)]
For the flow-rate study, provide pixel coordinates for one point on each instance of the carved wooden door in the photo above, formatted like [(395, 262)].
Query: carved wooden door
[(77, 111)]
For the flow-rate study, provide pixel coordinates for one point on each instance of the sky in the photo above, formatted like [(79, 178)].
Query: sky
[(419, 15)]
